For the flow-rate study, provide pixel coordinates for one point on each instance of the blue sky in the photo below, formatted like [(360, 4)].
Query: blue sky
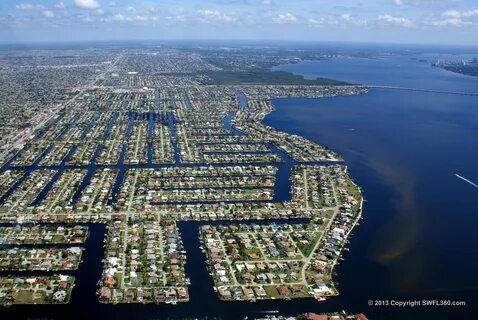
[(398, 21)]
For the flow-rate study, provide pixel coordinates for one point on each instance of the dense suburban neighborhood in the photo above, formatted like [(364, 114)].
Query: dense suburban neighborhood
[(151, 138)]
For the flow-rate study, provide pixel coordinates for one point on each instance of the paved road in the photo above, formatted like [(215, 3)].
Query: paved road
[(25, 137)]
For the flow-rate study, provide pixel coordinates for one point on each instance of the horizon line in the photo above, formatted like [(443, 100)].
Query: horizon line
[(24, 42)]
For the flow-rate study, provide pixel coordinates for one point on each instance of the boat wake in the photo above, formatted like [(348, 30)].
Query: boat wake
[(466, 180)]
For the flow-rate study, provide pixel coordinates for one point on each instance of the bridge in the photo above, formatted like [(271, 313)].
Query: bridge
[(424, 90)]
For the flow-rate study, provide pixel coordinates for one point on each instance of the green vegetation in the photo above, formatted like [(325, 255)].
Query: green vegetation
[(469, 70), (266, 77), (306, 248), (272, 292), (30, 297)]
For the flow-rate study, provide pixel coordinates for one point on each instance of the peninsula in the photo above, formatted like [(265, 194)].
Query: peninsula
[(144, 138)]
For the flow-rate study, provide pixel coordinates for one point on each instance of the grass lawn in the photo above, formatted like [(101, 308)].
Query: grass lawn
[(329, 213), (251, 251), (29, 297), (272, 292), (307, 249), (58, 239)]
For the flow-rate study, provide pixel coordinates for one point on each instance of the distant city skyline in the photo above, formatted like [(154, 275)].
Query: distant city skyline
[(453, 22)]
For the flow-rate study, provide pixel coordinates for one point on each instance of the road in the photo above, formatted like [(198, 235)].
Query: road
[(24, 137), (424, 90)]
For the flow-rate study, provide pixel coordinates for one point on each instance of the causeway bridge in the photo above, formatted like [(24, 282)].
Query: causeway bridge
[(423, 90)]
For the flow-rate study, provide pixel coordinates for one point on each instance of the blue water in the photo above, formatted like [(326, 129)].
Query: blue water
[(395, 70), (418, 237)]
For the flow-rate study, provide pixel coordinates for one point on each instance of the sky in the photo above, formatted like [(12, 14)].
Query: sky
[(383, 21)]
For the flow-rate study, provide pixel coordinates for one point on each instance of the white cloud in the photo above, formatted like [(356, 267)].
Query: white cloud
[(48, 14), (345, 19), (450, 22), (348, 18), (24, 6), (429, 4), (461, 14), (118, 17), (46, 11), (87, 4), (454, 18), (121, 18), (395, 20), (29, 6), (316, 22), (285, 18), (322, 21), (60, 5), (212, 15)]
